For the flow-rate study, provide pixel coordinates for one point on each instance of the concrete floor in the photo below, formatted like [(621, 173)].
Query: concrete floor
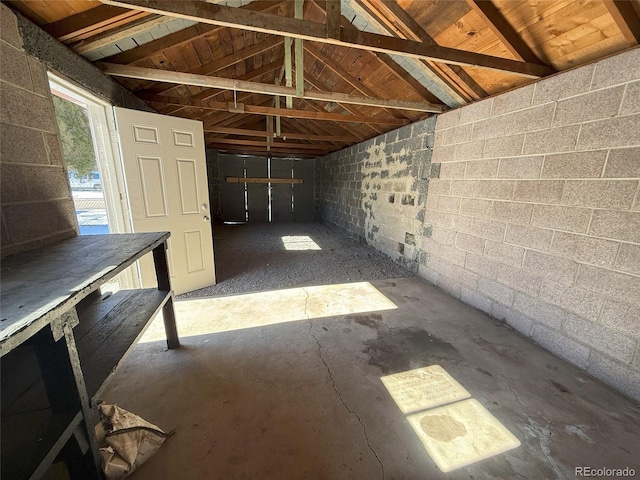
[(254, 257), (286, 385)]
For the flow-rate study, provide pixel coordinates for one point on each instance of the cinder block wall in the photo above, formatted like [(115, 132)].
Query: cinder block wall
[(376, 191), (535, 218), (35, 198)]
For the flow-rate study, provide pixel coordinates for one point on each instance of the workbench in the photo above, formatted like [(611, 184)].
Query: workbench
[(61, 340)]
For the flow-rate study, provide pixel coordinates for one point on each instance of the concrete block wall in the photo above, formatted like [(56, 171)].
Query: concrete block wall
[(35, 197), (535, 217), (376, 191)]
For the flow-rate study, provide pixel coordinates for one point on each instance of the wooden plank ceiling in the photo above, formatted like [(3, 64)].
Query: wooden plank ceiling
[(286, 79)]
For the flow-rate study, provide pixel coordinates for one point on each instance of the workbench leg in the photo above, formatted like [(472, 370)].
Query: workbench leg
[(168, 313), (91, 416), (164, 283)]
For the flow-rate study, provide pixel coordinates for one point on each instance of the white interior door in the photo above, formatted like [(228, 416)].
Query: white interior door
[(166, 178)]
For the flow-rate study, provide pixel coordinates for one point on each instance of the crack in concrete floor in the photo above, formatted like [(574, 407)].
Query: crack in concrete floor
[(335, 388)]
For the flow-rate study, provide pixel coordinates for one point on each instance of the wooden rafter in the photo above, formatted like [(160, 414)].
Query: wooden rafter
[(225, 62), (287, 135), (311, 127), (91, 22), (260, 143), (301, 128), (180, 78), (333, 18), (283, 112), (252, 75), (400, 23), (181, 37), (113, 35), (338, 70), (349, 126), (244, 150), (503, 30), (350, 108), (308, 30), (626, 19), (399, 72)]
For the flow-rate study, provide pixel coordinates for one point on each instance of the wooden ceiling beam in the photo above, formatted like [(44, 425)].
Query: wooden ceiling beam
[(349, 127), (314, 31), (261, 143), (402, 24), (334, 16), (315, 129), (91, 22), (404, 76), (322, 128), (626, 19), (180, 78), (285, 135), (283, 112), (349, 108), (400, 73), (181, 37), (311, 127), (502, 29), (262, 151), (253, 74), (339, 71), (222, 63), (113, 35)]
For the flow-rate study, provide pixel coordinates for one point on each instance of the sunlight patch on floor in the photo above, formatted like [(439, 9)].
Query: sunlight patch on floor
[(454, 429), (222, 314), (423, 388), (299, 242), (460, 434)]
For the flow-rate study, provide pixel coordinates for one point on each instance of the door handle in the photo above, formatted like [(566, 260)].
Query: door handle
[(206, 218)]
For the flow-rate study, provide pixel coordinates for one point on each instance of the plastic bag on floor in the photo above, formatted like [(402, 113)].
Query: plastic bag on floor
[(127, 441)]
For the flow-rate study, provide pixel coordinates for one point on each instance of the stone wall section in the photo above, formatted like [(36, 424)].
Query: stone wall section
[(535, 218)]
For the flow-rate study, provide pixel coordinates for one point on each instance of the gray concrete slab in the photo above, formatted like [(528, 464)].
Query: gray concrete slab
[(253, 257), (303, 399)]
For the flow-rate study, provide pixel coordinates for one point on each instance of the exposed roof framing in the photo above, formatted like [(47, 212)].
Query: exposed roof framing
[(283, 112), (92, 22), (225, 62), (400, 24), (291, 135), (626, 18), (254, 87), (368, 66), (503, 30), (114, 35), (307, 30)]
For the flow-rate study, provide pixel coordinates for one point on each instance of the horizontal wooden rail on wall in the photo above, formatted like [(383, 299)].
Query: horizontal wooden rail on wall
[(262, 180)]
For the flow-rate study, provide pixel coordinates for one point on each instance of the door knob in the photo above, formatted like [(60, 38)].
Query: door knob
[(206, 218)]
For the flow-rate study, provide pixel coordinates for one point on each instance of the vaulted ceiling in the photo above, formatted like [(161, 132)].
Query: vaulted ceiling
[(306, 77)]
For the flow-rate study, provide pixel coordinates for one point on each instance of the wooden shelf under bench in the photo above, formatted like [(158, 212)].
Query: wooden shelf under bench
[(61, 341)]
